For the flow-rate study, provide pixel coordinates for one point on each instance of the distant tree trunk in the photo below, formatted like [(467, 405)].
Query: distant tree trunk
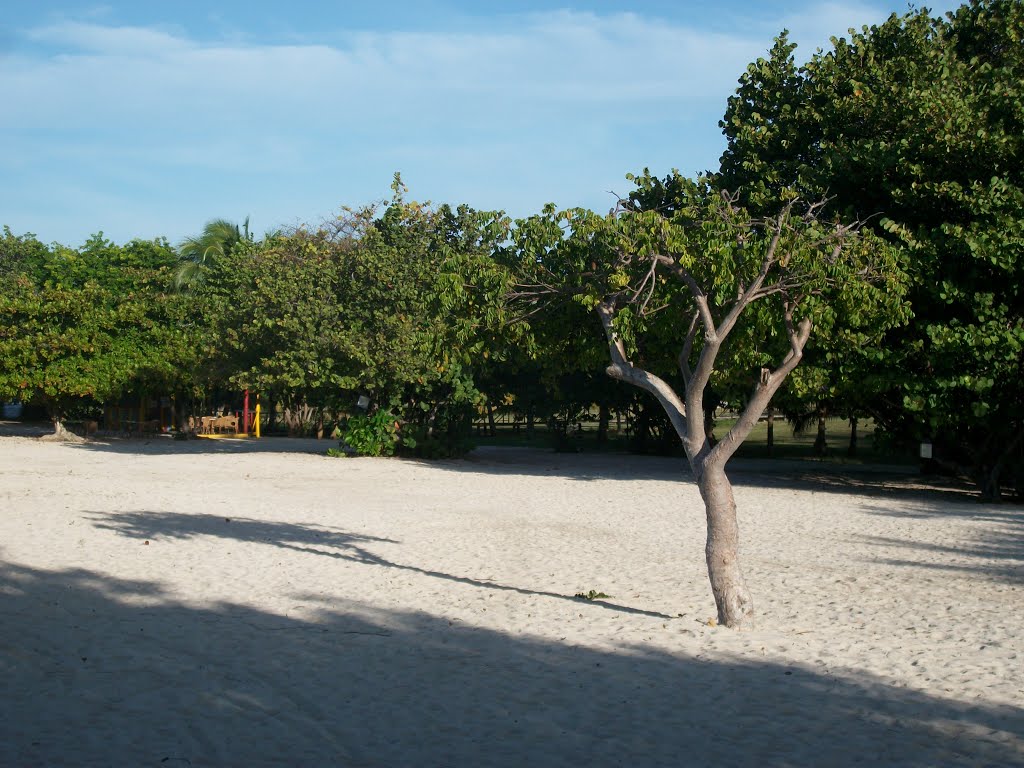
[(771, 430), (820, 443), (432, 417), (529, 423), (852, 450), (988, 483), (641, 430), (709, 421), (60, 431), (989, 474), (490, 419), (603, 419)]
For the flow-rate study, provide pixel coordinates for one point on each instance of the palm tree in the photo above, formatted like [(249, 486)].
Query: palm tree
[(199, 253)]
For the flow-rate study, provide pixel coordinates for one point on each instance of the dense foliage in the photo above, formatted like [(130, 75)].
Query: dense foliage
[(918, 124), (83, 327), (403, 309), (699, 294)]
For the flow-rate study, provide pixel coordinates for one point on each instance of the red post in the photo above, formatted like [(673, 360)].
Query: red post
[(245, 412)]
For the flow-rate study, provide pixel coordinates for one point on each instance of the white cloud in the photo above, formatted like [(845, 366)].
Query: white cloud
[(550, 61), (548, 106), (109, 41)]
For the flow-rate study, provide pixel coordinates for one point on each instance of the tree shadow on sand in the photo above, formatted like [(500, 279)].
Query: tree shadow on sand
[(995, 549), (306, 538), (818, 476), (99, 671), (165, 445)]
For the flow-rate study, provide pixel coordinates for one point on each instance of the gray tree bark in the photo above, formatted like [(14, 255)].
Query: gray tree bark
[(735, 606)]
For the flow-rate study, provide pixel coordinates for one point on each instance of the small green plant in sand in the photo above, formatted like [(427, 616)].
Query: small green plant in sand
[(591, 595)]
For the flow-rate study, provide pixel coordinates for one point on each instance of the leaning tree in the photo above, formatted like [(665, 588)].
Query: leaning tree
[(741, 295)]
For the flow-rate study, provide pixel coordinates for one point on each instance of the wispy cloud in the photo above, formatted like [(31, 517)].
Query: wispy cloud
[(108, 41), (564, 58), (550, 106)]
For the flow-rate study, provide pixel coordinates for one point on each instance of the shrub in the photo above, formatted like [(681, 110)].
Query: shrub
[(374, 435)]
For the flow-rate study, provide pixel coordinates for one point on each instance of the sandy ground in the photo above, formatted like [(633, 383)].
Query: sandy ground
[(233, 603)]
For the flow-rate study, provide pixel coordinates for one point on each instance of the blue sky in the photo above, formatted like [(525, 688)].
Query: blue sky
[(146, 119)]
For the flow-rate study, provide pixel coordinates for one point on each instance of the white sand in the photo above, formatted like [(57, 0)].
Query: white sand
[(370, 612)]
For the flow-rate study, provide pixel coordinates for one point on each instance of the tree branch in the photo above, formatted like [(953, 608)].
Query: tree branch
[(651, 278), (684, 355), (765, 390), (623, 370), (752, 291), (700, 299)]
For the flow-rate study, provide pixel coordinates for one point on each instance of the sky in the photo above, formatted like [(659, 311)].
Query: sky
[(147, 119)]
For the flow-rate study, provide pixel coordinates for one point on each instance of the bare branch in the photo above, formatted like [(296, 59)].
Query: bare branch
[(684, 355), (658, 309), (745, 294), (700, 299), (649, 279), (765, 390), (797, 335), (702, 373), (623, 370)]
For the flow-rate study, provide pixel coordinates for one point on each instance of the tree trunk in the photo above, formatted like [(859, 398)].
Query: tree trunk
[(60, 432), (642, 430), (432, 419), (735, 607), (186, 413), (771, 431), (989, 473), (852, 450), (820, 443), (989, 484), (490, 419), (603, 419), (709, 421)]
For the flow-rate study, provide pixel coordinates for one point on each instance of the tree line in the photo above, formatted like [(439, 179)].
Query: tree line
[(911, 131)]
